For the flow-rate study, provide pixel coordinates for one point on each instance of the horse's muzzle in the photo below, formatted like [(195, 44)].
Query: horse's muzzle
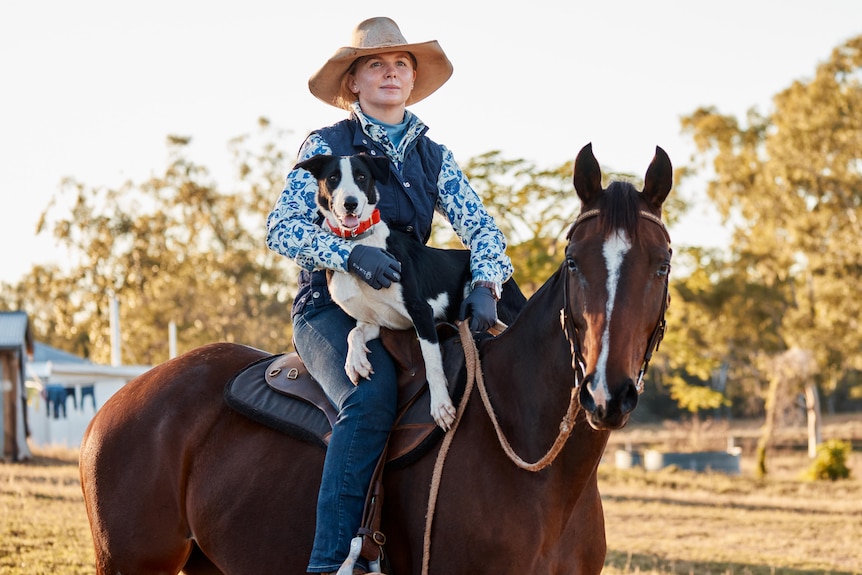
[(608, 411)]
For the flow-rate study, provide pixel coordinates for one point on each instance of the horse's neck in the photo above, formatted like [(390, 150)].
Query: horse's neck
[(529, 374)]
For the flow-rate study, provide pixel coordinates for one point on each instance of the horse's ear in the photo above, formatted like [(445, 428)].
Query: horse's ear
[(588, 175), (659, 179)]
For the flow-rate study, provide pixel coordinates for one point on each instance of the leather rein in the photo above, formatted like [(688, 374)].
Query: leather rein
[(571, 329)]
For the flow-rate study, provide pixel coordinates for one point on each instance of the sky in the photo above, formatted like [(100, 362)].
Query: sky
[(91, 89)]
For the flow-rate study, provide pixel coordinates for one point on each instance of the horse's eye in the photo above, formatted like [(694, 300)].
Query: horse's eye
[(663, 270), (571, 264)]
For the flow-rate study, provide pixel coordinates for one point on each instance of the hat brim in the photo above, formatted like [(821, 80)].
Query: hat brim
[(433, 70)]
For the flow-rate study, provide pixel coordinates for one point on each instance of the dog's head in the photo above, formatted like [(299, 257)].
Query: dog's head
[(346, 193)]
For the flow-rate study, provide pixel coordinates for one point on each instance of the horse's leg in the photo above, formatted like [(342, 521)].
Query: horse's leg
[(252, 498), (138, 451), (587, 554), (131, 482)]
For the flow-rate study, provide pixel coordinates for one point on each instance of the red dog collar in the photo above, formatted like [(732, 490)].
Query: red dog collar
[(360, 229)]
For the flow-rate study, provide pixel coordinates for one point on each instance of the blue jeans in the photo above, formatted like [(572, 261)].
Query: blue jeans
[(366, 413)]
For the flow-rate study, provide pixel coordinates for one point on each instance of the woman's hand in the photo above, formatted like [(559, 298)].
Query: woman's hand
[(376, 267), (481, 306)]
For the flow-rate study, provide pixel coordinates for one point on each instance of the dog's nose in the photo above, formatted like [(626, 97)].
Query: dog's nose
[(350, 204)]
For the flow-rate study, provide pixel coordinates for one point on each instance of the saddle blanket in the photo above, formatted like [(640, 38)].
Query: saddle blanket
[(277, 391)]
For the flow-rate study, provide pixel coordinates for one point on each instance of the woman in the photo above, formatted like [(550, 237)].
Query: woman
[(375, 78)]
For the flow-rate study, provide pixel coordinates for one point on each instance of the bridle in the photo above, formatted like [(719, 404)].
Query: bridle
[(571, 329), (474, 374)]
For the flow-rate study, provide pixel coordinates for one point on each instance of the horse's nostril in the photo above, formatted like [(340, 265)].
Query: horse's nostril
[(629, 399), (586, 398)]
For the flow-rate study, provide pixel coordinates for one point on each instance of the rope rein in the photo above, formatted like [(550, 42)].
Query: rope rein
[(471, 359), (566, 424), (474, 375)]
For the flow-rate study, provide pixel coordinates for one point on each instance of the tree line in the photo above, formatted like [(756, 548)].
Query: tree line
[(181, 247)]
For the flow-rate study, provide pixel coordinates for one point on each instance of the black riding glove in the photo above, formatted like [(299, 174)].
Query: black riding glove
[(481, 306), (376, 267)]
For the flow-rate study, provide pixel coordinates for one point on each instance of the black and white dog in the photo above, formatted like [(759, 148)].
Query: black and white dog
[(433, 283)]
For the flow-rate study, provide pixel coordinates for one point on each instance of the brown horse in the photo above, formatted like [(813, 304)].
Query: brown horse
[(174, 480)]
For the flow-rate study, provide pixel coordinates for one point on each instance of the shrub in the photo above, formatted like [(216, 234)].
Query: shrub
[(830, 462)]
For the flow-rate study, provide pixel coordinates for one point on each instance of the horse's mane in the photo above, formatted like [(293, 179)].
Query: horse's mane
[(619, 209)]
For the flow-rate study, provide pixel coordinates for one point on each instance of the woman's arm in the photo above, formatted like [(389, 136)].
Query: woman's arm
[(291, 227), (473, 224)]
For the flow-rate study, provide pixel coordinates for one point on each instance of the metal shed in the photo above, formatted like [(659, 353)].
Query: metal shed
[(16, 345)]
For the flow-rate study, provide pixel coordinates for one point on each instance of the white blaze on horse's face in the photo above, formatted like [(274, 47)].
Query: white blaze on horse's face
[(615, 248)]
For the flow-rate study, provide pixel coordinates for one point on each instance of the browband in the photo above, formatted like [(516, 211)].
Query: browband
[(643, 213)]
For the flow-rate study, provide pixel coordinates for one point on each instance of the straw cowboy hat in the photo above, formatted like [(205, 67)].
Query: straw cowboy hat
[(377, 36)]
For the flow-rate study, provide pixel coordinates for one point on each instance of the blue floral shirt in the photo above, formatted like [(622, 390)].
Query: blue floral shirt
[(292, 231)]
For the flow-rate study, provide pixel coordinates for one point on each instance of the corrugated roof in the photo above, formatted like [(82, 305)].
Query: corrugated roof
[(44, 352), (15, 330)]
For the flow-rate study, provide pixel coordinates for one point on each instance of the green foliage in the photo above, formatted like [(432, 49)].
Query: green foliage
[(174, 248), (830, 461), (533, 208), (693, 397), (790, 184)]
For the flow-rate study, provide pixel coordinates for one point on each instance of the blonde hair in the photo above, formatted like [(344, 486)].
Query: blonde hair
[(346, 96)]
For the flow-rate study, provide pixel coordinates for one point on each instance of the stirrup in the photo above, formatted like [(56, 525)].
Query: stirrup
[(349, 565)]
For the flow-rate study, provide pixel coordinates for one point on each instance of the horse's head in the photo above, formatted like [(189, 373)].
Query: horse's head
[(618, 261)]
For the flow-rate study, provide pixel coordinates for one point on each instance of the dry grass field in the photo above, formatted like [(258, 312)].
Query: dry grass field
[(43, 524), (709, 523), (667, 522), (681, 522)]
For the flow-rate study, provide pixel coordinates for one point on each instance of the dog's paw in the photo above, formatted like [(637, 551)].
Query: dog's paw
[(357, 365), (443, 411)]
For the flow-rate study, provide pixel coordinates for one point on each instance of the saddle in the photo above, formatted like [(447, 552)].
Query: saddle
[(277, 391)]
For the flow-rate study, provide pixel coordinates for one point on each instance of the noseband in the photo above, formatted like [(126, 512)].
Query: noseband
[(571, 329)]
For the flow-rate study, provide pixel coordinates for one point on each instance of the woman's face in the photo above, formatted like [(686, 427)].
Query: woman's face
[(383, 80)]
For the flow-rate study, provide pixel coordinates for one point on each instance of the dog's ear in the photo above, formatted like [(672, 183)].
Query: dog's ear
[(314, 164), (379, 167)]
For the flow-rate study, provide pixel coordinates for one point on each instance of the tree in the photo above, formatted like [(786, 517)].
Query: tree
[(786, 371), (173, 248), (534, 207), (790, 184), (694, 352), (719, 320)]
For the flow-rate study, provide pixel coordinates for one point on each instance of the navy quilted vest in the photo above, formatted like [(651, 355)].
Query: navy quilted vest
[(407, 200)]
